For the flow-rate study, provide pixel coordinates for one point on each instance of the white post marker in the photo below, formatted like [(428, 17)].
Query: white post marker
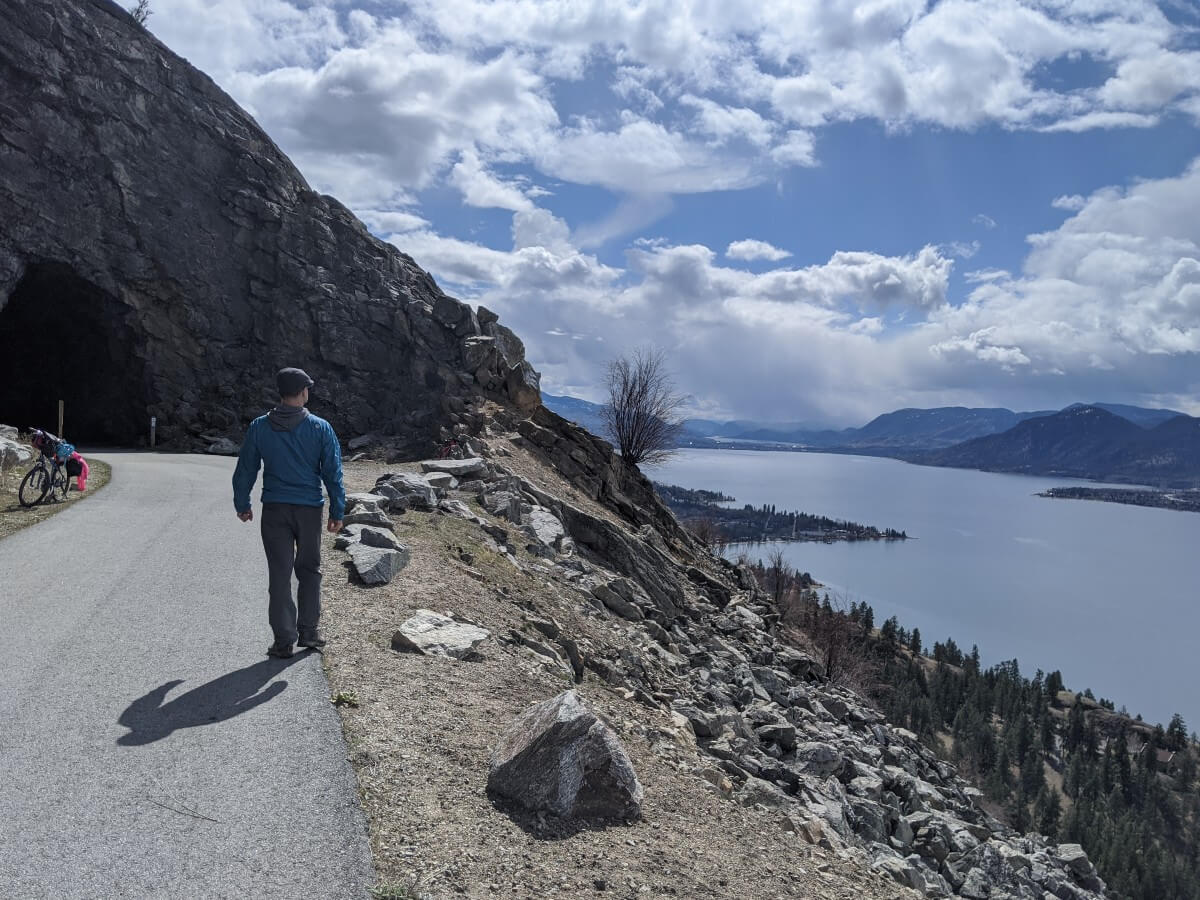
[(153, 425)]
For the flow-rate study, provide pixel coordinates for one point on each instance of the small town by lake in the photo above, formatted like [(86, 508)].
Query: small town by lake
[(1104, 592)]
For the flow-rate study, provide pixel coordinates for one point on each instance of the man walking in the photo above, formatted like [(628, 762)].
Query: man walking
[(298, 451)]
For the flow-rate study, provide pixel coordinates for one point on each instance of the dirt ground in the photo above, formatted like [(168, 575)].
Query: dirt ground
[(421, 737)]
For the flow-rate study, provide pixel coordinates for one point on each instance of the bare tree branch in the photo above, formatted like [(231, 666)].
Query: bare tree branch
[(140, 11), (642, 415)]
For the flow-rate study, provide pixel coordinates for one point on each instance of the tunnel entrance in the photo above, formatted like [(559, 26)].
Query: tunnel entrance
[(61, 337)]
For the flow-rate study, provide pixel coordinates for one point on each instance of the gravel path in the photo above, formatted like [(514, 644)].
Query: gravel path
[(148, 747)]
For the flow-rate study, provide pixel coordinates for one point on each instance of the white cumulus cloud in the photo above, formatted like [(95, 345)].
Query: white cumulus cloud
[(751, 249)]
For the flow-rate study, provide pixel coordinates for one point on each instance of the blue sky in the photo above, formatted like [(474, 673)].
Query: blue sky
[(819, 211)]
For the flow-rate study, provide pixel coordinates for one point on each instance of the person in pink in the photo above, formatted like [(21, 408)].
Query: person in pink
[(77, 466)]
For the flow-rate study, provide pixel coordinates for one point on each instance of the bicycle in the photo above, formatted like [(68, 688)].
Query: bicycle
[(48, 478), (455, 448)]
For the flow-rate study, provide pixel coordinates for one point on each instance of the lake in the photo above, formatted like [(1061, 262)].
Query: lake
[(1104, 592)]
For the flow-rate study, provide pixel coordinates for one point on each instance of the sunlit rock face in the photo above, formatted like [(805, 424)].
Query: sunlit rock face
[(159, 256)]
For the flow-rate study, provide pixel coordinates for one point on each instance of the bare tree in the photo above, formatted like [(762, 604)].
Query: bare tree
[(779, 574), (140, 11), (708, 533), (642, 415)]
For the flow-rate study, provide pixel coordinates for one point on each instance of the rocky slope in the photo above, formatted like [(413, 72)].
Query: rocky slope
[(612, 594), (159, 256)]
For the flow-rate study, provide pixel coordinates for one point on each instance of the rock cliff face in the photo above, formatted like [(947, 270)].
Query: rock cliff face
[(159, 256)]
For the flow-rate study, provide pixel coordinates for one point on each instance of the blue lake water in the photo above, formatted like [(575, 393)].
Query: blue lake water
[(1104, 592)]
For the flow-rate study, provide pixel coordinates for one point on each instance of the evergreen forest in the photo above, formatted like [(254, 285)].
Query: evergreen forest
[(1047, 759)]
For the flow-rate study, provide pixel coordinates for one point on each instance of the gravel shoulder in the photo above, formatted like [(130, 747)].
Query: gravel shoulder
[(14, 516), (421, 737)]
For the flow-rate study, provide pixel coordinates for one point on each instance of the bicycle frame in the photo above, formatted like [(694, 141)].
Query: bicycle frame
[(449, 446), (50, 463)]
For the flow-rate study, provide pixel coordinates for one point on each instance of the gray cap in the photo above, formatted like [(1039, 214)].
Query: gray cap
[(292, 381)]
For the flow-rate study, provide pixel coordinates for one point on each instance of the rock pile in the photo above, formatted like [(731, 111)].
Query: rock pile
[(375, 553), (754, 717)]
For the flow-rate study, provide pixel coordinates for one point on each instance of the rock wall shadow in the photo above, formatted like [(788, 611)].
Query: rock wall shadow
[(546, 826), (150, 719)]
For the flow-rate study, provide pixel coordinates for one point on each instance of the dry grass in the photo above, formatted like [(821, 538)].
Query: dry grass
[(14, 517), (422, 734)]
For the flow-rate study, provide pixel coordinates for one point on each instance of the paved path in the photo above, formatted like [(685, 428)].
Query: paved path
[(148, 747)]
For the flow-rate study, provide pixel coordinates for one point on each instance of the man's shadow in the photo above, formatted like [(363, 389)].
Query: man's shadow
[(149, 719)]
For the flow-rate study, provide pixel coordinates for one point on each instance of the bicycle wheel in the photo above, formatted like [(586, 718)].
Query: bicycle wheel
[(33, 486), (60, 483)]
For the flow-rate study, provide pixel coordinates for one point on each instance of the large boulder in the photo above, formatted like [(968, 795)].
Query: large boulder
[(412, 490), (376, 565), (546, 530), (433, 634), (13, 454), (193, 260), (368, 535), (619, 597), (817, 758), (459, 468), (558, 757), (441, 481), (376, 517)]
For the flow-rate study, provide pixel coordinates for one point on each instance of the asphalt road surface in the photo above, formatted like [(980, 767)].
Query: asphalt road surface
[(148, 747)]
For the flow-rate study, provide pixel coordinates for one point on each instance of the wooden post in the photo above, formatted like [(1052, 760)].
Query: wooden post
[(60, 419)]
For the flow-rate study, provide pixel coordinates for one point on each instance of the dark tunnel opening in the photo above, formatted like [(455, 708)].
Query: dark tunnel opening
[(61, 337)]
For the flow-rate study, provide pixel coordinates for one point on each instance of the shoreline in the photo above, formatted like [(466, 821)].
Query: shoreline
[(1178, 501)]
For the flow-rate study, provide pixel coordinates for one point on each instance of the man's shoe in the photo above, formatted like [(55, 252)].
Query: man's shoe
[(280, 651), (315, 642)]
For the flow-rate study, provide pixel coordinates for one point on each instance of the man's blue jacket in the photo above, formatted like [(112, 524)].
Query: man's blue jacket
[(296, 462)]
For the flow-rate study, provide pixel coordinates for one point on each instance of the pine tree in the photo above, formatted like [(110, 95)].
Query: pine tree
[(1033, 778), (1046, 811), (888, 632), (1076, 727), (914, 642), (1018, 812), (1176, 733), (1054, 686)]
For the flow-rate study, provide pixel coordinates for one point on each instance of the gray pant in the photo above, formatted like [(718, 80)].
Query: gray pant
[(291, 535)]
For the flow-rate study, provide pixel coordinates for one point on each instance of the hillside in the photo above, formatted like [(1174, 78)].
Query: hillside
[(1138, 415), (1086, 442), (746, 746), (932, 428)]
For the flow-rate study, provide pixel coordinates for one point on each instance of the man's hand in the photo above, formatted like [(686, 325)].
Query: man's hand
[(247, 516), (334, 526)]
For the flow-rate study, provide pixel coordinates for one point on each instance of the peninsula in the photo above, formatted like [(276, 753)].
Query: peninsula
[(703, 512), (1184, 501)]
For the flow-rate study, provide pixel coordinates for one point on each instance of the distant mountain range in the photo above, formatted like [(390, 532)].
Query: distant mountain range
[(1086, 442), (1103, 441)]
